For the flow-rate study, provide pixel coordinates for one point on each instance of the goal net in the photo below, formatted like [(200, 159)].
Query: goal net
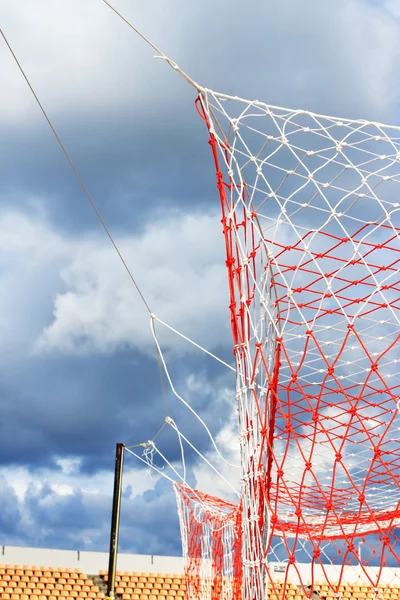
[(310, 209)]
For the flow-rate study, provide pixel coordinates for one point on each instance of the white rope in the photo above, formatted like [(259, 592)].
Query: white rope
[(182, 399), (187, 339)]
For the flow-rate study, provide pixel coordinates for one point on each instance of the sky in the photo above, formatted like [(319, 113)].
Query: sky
[(78, 368)]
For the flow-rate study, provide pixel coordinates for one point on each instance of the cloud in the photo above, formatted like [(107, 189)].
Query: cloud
[(315, 47), (42, 511), (84, 56), (179, 266), (178, 263)]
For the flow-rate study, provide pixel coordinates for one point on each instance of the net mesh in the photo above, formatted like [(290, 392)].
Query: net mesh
[(310, 219)]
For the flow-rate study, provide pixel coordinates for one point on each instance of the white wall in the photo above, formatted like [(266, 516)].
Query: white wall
[(89, 562)]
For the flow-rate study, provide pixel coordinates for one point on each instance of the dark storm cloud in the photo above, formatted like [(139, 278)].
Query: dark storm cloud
[(133, 168), (80, 407)]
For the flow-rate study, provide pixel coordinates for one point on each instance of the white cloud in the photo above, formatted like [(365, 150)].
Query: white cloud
[(63, 483), (179, 266), (178, 263)]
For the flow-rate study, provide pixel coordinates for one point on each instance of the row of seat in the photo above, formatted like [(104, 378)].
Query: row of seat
[(54, 583), (39, 571), (48, 594), (29, 582)]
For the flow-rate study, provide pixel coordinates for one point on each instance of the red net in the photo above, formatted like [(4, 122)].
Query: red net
[(310, 220)]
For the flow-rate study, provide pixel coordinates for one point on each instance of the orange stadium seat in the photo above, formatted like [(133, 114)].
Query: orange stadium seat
[(56, 583)]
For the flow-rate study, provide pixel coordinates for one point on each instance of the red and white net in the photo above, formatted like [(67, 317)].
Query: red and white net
[(310, 214)]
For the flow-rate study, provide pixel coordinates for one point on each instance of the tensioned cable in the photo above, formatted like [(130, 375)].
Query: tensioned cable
[(88, 196), (159, 52)]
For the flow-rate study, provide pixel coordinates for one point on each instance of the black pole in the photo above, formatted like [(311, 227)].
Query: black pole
[(112, 565)]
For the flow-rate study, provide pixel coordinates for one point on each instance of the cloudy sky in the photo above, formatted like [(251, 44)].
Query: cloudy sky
[(78, 369)]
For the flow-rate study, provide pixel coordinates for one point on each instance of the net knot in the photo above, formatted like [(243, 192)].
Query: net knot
[(309, 332), (308, 468), (331, 371), (317, 552), (374, 367), (280, 473), (361, 498), (292, 560), (338, 457)]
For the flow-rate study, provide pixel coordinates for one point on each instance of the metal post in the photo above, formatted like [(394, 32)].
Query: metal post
[(112, 565)]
